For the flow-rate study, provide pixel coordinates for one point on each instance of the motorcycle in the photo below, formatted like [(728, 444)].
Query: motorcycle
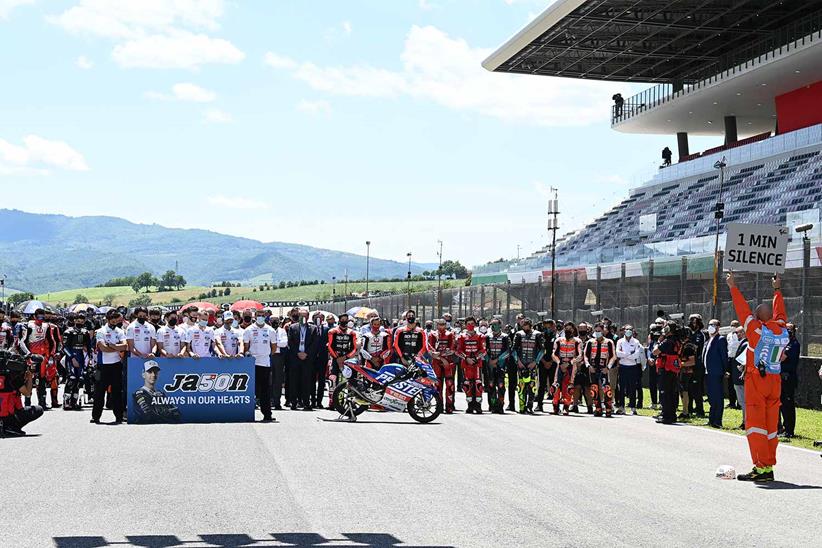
[(394, 388)]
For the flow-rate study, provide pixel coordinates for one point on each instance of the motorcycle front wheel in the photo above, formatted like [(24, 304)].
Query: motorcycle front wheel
[(425, 411), (340, 397)]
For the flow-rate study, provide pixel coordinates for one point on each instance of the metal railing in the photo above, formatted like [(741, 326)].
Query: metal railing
[(781, 41)]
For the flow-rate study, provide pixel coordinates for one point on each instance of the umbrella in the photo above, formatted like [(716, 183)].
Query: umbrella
[(245, 305), (104, 309), (360, 312), (28, 307), (83, 307), (202, 306)]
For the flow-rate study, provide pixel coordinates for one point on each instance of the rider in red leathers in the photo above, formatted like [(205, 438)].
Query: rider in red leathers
[(600, 356), (566, 354), (471, 350), (38, 338), (410, 341), (342, 345), (441, 347)]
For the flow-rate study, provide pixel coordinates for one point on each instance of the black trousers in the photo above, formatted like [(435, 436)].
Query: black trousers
[(546, 377), (696, 391), (299, 381), (108, 375), (318, 380), (262, 388), (668, 392), (653, 383), (788, 408), (22, 417), (278, 377), (729, 382)]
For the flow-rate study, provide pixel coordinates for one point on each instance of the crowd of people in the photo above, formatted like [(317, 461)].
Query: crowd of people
[(542, 366)]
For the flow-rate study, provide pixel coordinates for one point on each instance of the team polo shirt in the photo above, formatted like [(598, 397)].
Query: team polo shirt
[(199, 341), (258, 343), (142, 335), (172, 338), (111, 337), (230, 339)]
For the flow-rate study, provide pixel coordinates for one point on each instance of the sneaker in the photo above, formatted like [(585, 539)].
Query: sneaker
[(633, 411), (758, 476)]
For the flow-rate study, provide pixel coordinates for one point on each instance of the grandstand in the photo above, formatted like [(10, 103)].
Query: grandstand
[(746, 71)]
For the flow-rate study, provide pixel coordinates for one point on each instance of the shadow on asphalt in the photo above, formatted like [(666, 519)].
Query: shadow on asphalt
[(785, 485), (236, 540)]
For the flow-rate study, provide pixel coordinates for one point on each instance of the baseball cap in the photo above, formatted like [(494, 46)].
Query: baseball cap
[(151, 364), (228, 315)]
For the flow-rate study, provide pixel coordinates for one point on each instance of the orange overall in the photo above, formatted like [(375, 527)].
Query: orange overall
[(766, 343)]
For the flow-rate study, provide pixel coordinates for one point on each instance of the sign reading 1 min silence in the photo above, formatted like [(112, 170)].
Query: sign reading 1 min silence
[(756, 248)]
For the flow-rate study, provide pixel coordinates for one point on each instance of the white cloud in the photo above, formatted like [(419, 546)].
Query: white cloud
[(217, 116), (279, 61), (6, 6), (180, 50), (448, 71), (346, 26), (314, 107), (184, 91), (237, 202), (84, 63), (154, 33), (36, 154)]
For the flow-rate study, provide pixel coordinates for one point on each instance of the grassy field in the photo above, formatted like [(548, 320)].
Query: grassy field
[(808, 423), (123, 294)]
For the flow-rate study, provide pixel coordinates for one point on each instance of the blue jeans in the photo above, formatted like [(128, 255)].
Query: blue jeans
[(716, 399)]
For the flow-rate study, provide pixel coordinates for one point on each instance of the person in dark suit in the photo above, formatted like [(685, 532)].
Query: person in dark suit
[(303, 344), (320, 363), (715, 358)]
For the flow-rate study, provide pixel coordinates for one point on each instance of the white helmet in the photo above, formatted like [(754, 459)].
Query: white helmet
[(726, 471)]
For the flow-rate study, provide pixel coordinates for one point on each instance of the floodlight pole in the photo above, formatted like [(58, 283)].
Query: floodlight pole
[(719, 212), (367, 261), (552, 210), (439, 282)]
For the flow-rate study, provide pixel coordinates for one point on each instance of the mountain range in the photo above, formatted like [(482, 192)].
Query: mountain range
[(43, 252)]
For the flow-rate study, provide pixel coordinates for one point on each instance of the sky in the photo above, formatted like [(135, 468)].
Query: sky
[(319, 122)]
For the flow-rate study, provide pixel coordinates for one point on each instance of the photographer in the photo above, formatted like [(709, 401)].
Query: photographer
[(16, 381), (654, 335), (668, 366)]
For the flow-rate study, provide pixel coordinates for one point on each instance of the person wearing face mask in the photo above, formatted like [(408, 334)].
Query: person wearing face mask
[(190, 318), (498, 350), (342, 345), (78, 348), (170, 338), (733, 343), (513, 374), (715, 358), (140, 335), (38, 338), (471, 350), (790, 364), (409, 341), (600, 356), (375, 345), (320, 372), (155, 319), (18, 332), (696, 387), (527, 352), (303, 344), (547, 367), (111, 342), (582, 379), (228, 339), (441, 347), (6, 334), (199, 338), (629, 353), (278, 361), (566, 356), (260, 341)]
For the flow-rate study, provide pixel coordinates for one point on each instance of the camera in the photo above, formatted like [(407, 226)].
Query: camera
[(12, 370)]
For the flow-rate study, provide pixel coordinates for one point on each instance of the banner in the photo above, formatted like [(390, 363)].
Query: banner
[(756, 248), (166, 390)]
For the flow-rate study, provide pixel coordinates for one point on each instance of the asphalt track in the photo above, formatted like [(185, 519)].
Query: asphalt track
[(502, 481)]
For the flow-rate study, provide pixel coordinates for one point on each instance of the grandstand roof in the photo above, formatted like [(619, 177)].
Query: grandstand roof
[(663, 41)]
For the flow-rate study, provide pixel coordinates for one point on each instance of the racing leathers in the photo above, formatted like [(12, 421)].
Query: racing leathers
[(342, 345), (6, 336), (442, 347), (527, 352), (471, 351), (375, 348), (78, 348), (498, 350), (566, 355), (38, 337), (410, 344), (152, 407), (599, 356)]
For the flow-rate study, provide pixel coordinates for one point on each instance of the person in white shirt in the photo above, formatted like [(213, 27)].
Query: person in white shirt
[(278, 362), (733, 344), (200, 339), (190, 317), (228, 340), (260, 341), (140, 335), (111, 341), (629, 352), (171, 338)]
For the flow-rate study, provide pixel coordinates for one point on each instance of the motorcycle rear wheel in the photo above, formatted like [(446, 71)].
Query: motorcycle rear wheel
[(340, 396), (421, 411)]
